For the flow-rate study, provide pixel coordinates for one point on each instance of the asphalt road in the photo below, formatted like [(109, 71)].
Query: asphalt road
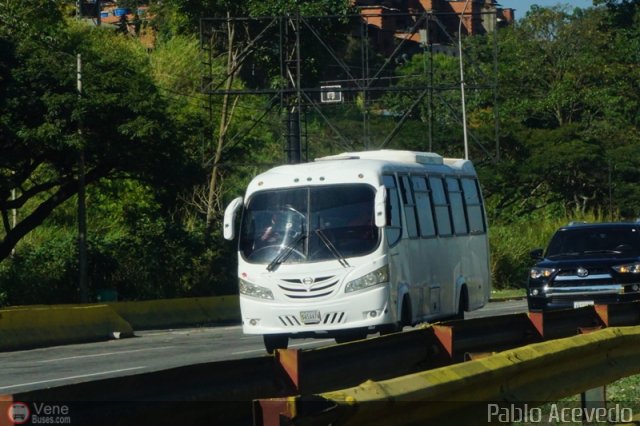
[(151, 351)]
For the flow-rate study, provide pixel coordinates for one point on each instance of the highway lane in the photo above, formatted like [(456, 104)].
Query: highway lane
[(499, 308), (151, 351)]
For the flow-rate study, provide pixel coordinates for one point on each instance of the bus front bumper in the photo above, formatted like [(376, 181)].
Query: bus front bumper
[(363, 309)]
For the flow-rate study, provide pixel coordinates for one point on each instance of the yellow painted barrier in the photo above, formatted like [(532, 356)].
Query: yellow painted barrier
[(52, 325), (528, 376), (46, 325), (179, 312)]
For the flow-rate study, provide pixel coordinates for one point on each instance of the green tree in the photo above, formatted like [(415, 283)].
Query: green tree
[(568, 101), (125, 131)]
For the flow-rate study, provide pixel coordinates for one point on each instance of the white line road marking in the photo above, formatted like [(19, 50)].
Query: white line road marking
[(311, 343), (188, 331), (103, 354), (61, 379), (314, 342), (247, 352)]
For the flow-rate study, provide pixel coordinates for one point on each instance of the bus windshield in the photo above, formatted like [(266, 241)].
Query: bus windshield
[(309, 224)]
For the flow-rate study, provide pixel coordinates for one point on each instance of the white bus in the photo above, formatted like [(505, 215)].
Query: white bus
[(359, 242)]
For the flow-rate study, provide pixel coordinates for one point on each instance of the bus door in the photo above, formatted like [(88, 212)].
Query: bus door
[(414, 254), (398, 269), (428, 244)]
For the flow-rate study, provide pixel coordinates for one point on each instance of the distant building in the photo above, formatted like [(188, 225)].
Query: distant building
[(130, 21), (391, 20)]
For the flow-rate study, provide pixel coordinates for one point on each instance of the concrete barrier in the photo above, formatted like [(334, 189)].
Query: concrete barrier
[(179, 312), (30, 327), (23, 327)]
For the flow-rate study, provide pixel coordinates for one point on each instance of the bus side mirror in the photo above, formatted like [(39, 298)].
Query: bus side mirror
[(380, 208), (229, 231)]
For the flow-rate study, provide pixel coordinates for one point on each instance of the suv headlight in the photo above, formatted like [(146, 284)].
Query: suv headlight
[(249, 289), (379, 276), (537, 273), (629, 268)]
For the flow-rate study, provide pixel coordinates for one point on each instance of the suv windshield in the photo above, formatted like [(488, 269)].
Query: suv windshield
[(309, 224), (595, 240)]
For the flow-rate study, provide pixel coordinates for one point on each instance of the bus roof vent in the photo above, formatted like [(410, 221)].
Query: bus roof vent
[(428, 158), (389, 155)]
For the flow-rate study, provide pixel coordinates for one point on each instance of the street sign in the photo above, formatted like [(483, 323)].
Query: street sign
[(330, 94)]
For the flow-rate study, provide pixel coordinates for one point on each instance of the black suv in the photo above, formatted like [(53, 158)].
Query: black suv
[(586, 264)]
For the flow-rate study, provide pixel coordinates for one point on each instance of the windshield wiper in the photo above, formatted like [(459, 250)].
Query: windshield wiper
[(334, 251), (284, 254), (602, 251)]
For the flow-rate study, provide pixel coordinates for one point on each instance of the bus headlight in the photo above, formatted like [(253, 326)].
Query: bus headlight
[(249, 289), (378, 276), (630, 268)]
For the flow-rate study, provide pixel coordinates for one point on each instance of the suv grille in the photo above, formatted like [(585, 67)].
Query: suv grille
[(570, 277)]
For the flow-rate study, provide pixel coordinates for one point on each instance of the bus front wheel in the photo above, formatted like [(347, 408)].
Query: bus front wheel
[(463, 303), (406, 316), (390, 328), (350, 336), (275, 341)]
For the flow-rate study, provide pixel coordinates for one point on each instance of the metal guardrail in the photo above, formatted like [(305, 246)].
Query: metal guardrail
[(437, 345), (235, 392), (531, 375), (188, 395)]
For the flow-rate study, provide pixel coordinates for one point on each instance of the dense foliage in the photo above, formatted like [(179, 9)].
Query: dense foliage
[(568, 99)]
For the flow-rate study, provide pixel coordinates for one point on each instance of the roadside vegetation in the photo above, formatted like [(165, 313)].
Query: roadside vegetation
[(568, 101)]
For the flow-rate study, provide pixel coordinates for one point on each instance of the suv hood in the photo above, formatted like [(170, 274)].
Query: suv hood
[(587, 261)]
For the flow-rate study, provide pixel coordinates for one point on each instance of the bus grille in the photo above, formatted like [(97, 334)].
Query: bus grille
[(297, 289), (334, 318), (289, 320)]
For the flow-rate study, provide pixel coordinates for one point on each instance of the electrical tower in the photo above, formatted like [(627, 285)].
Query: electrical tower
[(278, 55)]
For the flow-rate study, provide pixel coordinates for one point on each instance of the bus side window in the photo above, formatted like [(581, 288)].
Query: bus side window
[(423, 205), (409, 207), (394, 230), (474, 206), (458, 212), (441, 206)]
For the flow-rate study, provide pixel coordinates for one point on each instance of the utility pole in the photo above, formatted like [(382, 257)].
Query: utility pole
[(294, 127), (82, 213), (610, 190), (427, 46), (365, 82), (496, 109), (464, 107), (14, 215)]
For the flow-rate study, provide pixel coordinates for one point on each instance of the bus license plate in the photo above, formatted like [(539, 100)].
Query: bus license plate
[(310, 317), (582, 303)]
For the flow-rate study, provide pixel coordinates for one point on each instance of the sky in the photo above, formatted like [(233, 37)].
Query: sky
[(522, 6)]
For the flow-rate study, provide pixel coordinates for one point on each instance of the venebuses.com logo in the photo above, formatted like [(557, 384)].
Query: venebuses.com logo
[(20, 413)]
